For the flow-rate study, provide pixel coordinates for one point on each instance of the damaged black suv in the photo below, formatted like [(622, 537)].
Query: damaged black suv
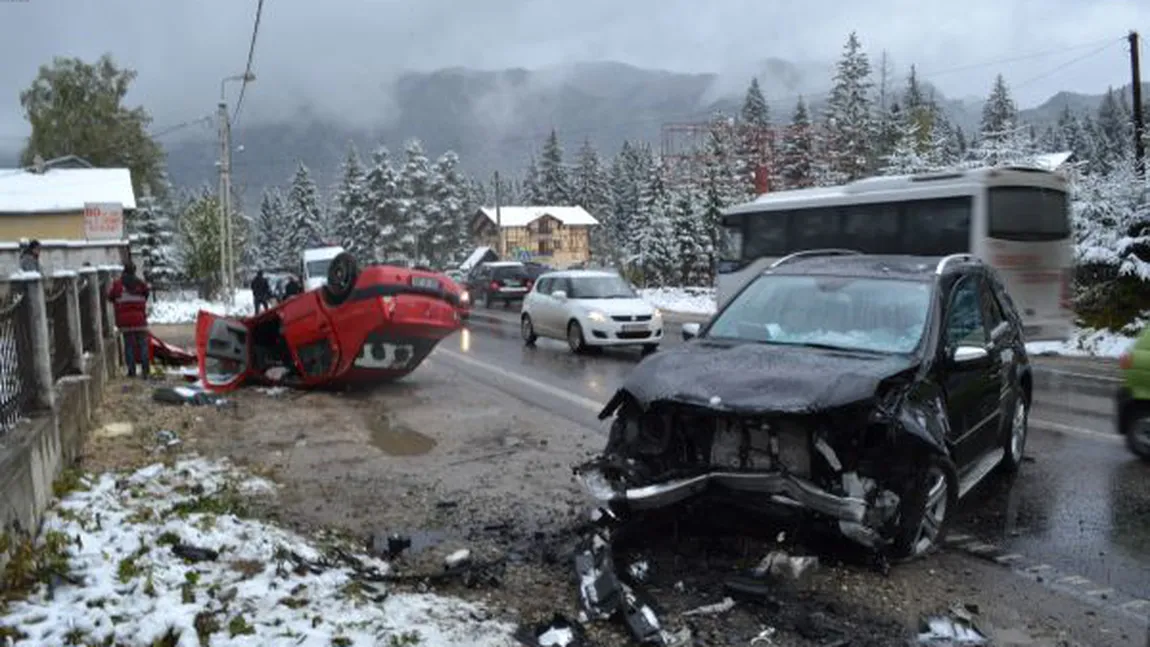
[(872, 391)]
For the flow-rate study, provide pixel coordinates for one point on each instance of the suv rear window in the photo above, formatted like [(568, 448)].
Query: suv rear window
[(508, 272)]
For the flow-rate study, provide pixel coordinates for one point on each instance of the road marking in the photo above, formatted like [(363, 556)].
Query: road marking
[(1112, 438), (1075, 580), (577, 400)]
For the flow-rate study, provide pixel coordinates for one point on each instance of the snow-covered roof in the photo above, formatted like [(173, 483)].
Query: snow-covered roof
[(64, 189), (475, 257), (1052, 161), (522, 216)]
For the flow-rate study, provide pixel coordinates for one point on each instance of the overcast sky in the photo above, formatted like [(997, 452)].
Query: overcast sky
[(339, 54)]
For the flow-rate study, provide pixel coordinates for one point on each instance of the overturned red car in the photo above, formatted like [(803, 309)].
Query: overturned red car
[(364, 326)]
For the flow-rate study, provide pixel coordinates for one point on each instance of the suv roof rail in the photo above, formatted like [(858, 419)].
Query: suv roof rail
[(954, 258), (814, 252)]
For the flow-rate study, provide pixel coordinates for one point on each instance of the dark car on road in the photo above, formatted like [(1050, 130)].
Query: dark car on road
[(499, 282), (870, 391)]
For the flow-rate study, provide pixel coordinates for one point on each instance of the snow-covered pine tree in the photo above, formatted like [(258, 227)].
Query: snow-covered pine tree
[(304, 220), (420, 210), (755, 110), (1075, 131), (797, 150), (351, 224), (905, 158), (1002, 139), (624, 200), (891, 126), (447, 236), (720, 187), (690, 239), (155, 238), (755, 137), (849, 116), (554, 183), (947, 147), (920, 108), (1114, 129), (532, 193), (591, 189), (654, 250), (270, 251), (385, 207)]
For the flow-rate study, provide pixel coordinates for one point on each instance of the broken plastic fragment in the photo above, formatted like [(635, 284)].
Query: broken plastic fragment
[(780, 564), (457, 559), (599, 588), (638, 571), (712, 609), (941, 631), (559, 632)]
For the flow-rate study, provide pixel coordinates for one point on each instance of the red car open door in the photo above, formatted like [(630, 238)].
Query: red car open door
[(224, 349)]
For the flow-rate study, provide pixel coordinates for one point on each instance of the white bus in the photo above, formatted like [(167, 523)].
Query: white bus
[(1016, 219)]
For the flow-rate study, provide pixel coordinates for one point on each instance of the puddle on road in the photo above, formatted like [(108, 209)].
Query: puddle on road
[(395, 439)]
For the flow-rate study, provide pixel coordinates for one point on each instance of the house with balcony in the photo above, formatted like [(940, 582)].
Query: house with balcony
[(555, 236)]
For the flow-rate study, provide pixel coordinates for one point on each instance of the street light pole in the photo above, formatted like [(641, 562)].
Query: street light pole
[(227, 251)]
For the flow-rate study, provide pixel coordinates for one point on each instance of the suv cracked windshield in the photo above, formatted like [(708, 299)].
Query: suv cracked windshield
[(569, 324)]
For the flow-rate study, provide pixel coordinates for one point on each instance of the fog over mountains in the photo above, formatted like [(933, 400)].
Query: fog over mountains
[(494, 120)]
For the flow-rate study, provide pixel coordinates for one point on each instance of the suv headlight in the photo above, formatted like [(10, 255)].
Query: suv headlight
[(465, 297), (597, 316)]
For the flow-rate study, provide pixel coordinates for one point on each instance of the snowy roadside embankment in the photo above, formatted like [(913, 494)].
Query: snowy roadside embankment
[(166, 310), (1086, 342), (695, 301), (161, 552)]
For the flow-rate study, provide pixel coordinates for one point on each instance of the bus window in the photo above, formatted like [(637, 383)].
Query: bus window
[(816, 229), (936, 227), (871, 228), (1028, 213), (765, 235)]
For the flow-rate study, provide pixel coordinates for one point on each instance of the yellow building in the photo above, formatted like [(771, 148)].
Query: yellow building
[(555, 236), (48, 204)]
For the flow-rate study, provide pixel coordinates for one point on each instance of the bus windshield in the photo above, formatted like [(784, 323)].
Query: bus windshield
[(1028, 214)]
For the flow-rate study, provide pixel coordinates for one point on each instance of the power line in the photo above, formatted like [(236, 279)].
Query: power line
[(1067, 64), (181, 126), (251, 56)]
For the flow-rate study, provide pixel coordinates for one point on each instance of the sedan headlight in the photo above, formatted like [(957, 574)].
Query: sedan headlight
[(597, 316), (658, 314), (465, 297)]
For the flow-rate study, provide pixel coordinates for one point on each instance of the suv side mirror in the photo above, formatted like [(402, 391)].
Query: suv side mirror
[(560, 295), (965, 354), (690, 331)]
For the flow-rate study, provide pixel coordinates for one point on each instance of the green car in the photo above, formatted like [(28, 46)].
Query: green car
[(1134, 396)]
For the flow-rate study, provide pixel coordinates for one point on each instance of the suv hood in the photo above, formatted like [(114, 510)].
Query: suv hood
[(755, 378)]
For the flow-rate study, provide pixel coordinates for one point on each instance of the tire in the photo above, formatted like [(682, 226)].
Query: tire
[(487, 300), (527, 330), (1138, 435), (341, 278), (924, 512), (1017, 430), (575, 340)]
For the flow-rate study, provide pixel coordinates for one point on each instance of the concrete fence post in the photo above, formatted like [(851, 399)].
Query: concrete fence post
[(92, 276), (75, 325), (33, 288)]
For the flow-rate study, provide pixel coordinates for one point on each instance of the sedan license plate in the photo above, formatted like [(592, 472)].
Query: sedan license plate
[(512, 283), (634, 327), (426, 282)]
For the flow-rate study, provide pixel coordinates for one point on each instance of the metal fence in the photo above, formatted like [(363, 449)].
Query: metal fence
[(60, 339), (87, 321), (16, 382)]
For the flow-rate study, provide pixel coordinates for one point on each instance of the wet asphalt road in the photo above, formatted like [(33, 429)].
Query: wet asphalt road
[(1081, 504)]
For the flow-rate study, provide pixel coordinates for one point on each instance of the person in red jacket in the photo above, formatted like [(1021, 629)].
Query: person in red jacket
[(129, 297)]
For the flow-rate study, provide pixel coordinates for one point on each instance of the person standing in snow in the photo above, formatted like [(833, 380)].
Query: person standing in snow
[(292, 288), (261, 291), (30, 257), (129, 297)]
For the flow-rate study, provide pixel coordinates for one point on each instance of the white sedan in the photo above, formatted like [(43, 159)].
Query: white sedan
[(589, 308)]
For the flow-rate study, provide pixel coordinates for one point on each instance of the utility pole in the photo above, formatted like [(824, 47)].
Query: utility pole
[(499, 218), (225, 179), (1139, 118)]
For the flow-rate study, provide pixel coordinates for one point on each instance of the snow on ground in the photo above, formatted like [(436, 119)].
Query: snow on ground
[(169, 309), (1085, 342), (120, 534), (699, 301)]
